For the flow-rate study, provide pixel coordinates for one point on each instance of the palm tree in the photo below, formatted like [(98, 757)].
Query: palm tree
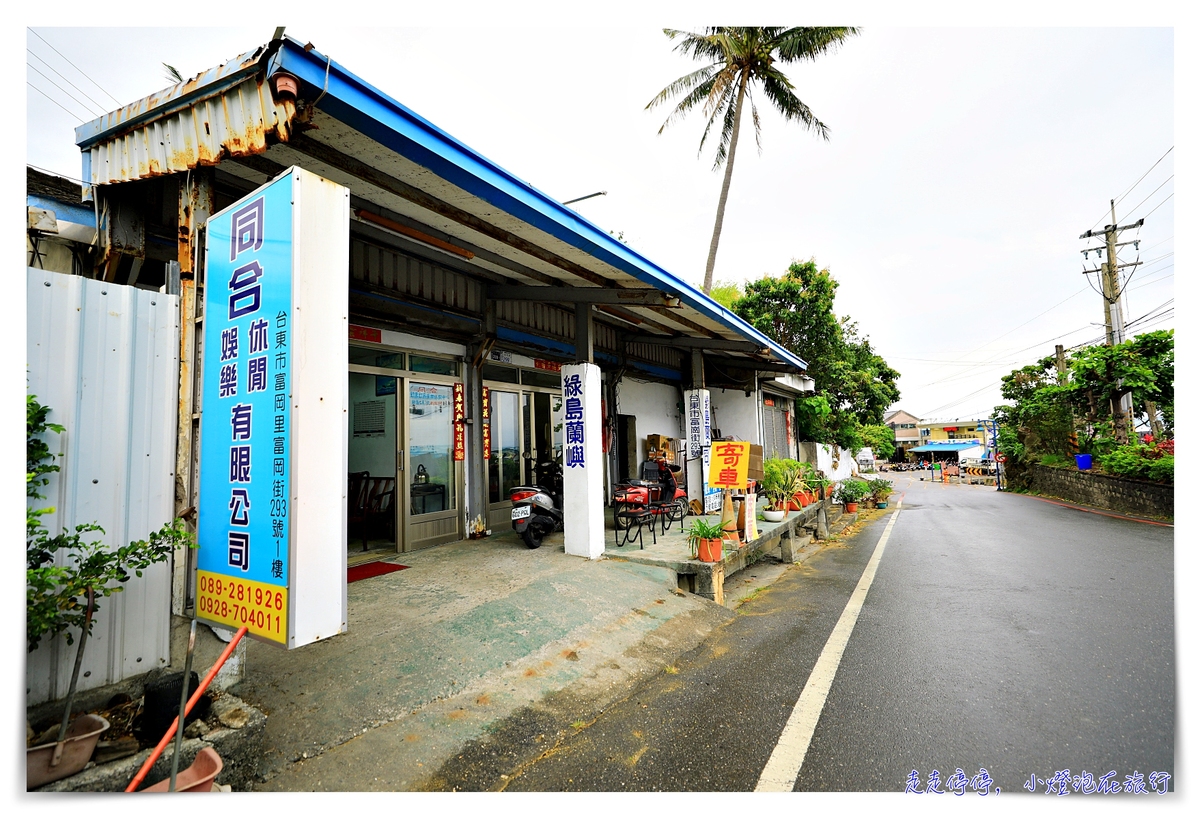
[(739, 59)]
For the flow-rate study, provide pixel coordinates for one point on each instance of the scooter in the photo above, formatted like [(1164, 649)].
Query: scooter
[(537, 510), (658, 491)]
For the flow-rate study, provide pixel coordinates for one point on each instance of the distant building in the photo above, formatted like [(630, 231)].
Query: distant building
[(907, 434), (61, 230)]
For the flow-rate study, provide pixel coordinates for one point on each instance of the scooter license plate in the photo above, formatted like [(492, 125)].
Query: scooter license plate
[(521, 512)]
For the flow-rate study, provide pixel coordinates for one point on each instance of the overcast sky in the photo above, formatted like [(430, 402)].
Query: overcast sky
[(962, 165)]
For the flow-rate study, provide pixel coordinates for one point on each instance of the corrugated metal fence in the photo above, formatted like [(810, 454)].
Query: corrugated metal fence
[(105, 358)]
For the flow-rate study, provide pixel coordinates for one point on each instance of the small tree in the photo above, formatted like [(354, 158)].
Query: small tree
[(63, 598)]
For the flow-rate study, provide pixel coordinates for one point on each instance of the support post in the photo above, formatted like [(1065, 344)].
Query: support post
[(196, 203), (583, 334), (583, 469), (476, 463)]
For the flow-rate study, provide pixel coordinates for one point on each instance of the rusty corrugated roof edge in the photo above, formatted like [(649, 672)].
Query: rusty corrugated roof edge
[(171, 100)]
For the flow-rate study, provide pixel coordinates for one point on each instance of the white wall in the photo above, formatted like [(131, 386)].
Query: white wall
[(105, 358), (737, 415), (656, 407), (822, 456)]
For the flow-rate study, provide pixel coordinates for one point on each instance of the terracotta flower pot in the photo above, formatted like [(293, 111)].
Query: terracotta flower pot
[(709, 550), (851, 508)]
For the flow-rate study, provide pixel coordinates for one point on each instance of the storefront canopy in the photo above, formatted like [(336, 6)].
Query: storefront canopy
[(948, 447), (526, 245)]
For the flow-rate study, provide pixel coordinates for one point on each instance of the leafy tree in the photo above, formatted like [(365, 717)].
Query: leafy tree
[(880, 438), (726, 292), (739, 61), (1052, 416), (854, 386)]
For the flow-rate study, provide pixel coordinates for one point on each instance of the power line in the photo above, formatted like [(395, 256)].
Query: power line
[(67, 81), (1135, 184), (1154, 280), (1143, 201), (1160, 204), (52, 99), (73, 65), (64, 90)]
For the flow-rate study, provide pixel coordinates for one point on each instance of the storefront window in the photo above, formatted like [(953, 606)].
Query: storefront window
[(533, 377), (434, 366), (369, 356), (431, 447), (501, 374)]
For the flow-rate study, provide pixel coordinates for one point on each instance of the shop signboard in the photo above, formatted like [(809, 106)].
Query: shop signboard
[(274, 323), (730, 465)]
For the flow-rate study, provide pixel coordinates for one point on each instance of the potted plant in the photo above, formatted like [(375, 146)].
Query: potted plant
[(821, 484), (705, 540), (781, 480), (850, 492), (55, 594), (880, 491)]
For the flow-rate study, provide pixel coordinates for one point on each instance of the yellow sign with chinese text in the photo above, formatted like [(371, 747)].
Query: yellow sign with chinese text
[(729, 466)]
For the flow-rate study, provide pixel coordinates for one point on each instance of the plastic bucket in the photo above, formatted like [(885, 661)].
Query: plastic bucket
[(1083, 461)]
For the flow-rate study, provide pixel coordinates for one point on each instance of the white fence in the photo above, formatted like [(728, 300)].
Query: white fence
[(105, 358)]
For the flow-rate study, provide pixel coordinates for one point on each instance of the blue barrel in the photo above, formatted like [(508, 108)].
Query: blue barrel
[(1083, 461)]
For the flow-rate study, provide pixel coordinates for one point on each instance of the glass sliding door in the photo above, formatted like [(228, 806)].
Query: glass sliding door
[(373, 453), (504, 460), (432, 473)]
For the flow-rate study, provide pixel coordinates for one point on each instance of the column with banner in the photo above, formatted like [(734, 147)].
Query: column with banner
[(583, 469), (273, 324)]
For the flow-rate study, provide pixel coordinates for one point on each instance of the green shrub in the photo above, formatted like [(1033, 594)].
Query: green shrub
[(852, 491)]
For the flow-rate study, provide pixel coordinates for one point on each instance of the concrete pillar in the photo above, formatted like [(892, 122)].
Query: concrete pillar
[(583, 468)]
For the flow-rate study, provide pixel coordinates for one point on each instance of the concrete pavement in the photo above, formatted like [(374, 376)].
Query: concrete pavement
[(437, 653)]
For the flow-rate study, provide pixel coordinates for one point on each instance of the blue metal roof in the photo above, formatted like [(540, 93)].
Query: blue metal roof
[(374, 113), (355, 102)]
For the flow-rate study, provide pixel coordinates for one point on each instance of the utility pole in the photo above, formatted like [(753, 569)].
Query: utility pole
[(1060, 363), (1110, 287)]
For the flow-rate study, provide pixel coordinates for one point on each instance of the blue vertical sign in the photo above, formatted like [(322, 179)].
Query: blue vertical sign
[(242, 566)]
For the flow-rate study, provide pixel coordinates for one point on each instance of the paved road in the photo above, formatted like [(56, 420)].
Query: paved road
[(1000, 632)]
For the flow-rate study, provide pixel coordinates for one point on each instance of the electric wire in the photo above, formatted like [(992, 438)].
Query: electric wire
[(1131, 187), (73, 65), (1143, 201), (64, 90), (52, 99), (1157, 206), (67, 81)]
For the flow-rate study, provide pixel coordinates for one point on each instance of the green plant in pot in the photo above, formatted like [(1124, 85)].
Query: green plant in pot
[(850, 493), (704, 538), (64, 597), (782, 479), (880, 491), (818, 482)]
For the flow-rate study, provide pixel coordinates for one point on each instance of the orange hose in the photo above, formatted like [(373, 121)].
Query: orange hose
[(162, 745)]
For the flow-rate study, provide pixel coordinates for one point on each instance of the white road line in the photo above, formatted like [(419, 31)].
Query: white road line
[(783, 767)]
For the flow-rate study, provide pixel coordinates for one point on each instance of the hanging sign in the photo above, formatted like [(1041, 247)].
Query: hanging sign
[(460, 433), (487, 424), (730, 465), (259, 271)]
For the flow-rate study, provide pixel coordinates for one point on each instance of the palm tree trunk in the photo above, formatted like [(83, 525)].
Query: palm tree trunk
[(733, 140)]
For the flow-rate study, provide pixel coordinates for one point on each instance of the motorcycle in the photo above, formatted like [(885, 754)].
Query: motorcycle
[(658, 490), (537, 510)]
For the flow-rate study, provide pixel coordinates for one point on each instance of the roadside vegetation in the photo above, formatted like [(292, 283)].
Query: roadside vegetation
[(854, 384), (1054, 415)]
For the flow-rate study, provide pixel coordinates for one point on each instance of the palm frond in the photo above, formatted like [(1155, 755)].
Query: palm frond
[(682, 85), (791, 106), (720, 111), (698, 94), (754, 119), (799, 44), (726, 134)]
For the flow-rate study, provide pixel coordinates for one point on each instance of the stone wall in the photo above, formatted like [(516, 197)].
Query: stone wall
[(1104, 491)]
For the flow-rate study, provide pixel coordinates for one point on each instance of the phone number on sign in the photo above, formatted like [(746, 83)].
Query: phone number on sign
[(230, 601)]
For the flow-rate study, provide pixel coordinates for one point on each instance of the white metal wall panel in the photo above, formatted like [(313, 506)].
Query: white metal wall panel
[(105, 358)]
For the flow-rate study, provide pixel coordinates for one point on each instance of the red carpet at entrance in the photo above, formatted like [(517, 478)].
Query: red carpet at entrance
[(371, 569)]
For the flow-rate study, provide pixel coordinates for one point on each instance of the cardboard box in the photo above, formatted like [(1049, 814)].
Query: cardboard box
[(756, 463), (662, 445)]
